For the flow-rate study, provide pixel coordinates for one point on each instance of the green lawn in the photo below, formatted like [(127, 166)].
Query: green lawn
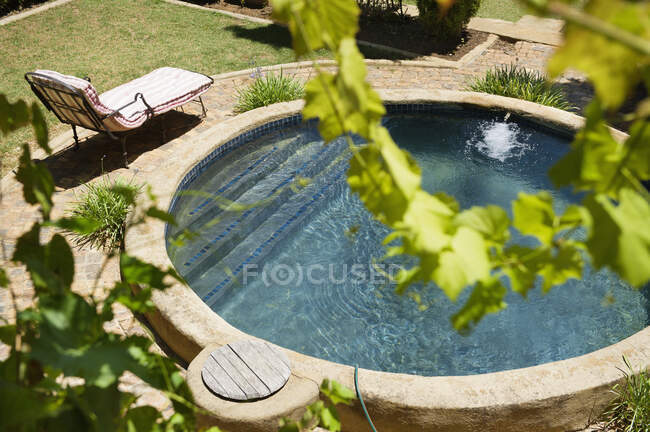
[(510, 10), (118, 40)]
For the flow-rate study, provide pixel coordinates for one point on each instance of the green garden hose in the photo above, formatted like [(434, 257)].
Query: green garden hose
[(363, 405)]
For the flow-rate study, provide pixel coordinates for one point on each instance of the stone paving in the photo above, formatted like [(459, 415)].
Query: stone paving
[(71, 169)]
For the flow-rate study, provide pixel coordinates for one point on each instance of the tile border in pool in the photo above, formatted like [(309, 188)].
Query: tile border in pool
[(556, 396)]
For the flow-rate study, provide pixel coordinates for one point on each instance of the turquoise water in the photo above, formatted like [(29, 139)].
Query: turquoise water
[(295, 262)]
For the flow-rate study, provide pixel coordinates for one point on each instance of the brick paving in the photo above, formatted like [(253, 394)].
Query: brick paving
[(72, 169)]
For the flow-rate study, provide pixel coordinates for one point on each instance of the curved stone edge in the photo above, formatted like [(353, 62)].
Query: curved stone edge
[(258, 416), (559, 396)]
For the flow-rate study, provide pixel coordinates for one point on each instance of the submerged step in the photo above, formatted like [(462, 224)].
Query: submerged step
[(219, 236), (251, 250)]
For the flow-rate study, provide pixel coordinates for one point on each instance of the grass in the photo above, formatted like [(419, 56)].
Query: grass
[(630, 411), (118, 40), (107, 203), (509, 10), (515, 82), (267, 90)]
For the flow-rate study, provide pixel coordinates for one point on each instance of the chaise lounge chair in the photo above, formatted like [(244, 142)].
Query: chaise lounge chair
[(76, 102)]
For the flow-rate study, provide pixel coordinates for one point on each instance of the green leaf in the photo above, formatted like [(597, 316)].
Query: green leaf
[(329, 420), (466, 262), (534, 215), (76, 224), (566, 264), (50, 266), (101, 406), (135, 271), (620, 235), (8, 334), (344, 102), (594, 159), (162, 215), (38, 185), (612, 67), (336, 392), (317, 23), (448, 200), (4, 280), (142, 419), (486, 298), (21, 408), (12, 116), (523, 265), (491, 221), (40, 128), (638, 148)]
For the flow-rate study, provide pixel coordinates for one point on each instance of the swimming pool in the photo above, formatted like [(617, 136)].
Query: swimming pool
[(285, 252)]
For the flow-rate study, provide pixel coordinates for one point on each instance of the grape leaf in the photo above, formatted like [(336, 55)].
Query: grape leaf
[(486, 298), (491, 221), (566, 264), (38, 185), (620, 235), (612, 67), (534, 215), (463, 264), (317, 23)]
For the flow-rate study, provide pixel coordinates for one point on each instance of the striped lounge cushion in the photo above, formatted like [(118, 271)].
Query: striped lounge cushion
[(163, 89)]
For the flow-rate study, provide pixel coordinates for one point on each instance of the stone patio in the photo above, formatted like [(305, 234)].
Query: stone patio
[(71, 169)]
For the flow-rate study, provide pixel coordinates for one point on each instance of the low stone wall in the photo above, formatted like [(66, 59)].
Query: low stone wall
[(559, 396)]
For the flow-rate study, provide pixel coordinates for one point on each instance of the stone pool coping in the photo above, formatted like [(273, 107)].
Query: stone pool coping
[(558, 396)]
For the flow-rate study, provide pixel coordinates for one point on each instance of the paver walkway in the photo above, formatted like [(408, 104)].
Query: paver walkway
[(71, 169)]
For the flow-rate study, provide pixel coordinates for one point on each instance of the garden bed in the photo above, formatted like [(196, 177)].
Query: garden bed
[(403, 33)]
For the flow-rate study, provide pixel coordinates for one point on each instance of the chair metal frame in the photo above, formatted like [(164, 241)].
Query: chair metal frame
[(52, 98)]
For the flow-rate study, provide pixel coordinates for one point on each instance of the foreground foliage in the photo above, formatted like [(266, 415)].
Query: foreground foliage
[(461, 249), (630, 411), (107, 203), (63, 368), (520, 83), (268, 89)]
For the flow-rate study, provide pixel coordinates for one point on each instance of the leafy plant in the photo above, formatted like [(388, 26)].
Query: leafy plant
[(322, 413), (107, 204), (630, 411), (269, 89), (60, 334), (381, 8), (516, 82), (63, 368), (446, 20), (470, 248)]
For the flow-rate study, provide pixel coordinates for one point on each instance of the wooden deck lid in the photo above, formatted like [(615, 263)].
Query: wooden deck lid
[(246, 370)]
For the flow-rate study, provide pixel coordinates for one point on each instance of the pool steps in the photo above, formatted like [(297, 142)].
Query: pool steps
[(227, 237)]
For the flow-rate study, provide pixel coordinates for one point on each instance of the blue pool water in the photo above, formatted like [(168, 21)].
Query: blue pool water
[(285, 252)]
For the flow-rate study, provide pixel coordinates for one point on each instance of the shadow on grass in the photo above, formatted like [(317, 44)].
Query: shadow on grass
[(279, 37), (71, 168), (272, 34)]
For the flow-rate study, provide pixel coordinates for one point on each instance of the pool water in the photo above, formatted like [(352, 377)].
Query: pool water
[(285, 252)]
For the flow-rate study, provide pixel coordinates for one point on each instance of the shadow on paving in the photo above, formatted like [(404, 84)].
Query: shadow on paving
[(99, 154)]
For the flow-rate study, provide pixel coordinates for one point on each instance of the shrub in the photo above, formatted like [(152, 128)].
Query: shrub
[(630, 411), (449, 25), (512, 81), (107, 204), (381, 8), (267, 90)]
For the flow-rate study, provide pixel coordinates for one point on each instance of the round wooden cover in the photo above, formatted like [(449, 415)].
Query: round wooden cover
[(246, 370)]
